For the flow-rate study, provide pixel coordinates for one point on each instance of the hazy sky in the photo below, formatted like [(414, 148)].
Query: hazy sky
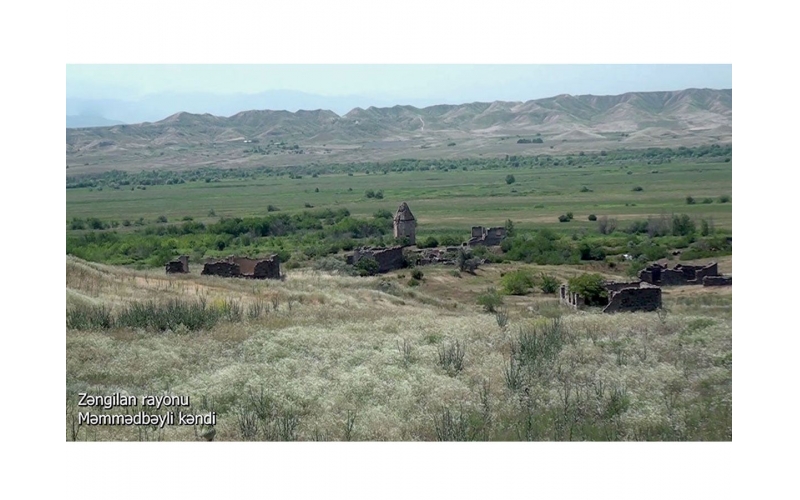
[(449, 83)]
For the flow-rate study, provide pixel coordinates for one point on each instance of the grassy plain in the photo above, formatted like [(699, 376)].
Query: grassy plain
[(439, 199)]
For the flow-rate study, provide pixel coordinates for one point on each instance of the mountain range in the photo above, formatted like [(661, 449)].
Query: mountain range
[(635, 119)]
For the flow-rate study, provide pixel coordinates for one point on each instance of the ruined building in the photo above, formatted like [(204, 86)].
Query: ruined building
[(622, 297), (681, 274), (405, 226), (487, 237), (243, 267), (388, 259), (179, 265)]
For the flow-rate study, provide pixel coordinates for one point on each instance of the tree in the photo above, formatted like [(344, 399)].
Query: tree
[(510, 179), (509, 226), (590, 287)]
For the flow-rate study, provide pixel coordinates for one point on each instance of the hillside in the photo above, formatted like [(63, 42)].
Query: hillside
[(564, 123)]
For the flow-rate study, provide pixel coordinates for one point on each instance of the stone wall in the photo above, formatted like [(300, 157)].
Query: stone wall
[(244, 267), (179, 265), (681, 274), (634, 298), (718, 281), (388, 259), (622, 297)]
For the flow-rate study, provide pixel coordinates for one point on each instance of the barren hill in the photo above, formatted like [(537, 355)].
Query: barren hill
[(564, 123)]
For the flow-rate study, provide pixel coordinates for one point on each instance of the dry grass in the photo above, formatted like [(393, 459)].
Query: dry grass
[(359, 359)]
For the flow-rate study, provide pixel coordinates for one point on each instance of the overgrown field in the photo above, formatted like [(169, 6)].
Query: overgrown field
[(322, 356), (596, 207)]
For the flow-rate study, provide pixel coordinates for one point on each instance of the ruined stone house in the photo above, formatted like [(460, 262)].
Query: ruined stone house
[(681, 274), (621, 297), (179, 265), (388, 259), (244, 267), (405, 225), (487, 237)]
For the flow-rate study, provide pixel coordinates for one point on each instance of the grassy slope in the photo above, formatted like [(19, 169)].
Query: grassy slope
[(333, 357)]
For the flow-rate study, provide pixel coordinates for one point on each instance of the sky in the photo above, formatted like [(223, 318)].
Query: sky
[(448, 83)]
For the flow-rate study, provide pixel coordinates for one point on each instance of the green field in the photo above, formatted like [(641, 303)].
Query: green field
[(440, 200)]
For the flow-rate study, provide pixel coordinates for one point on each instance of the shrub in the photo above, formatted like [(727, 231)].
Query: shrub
[(682, 225), (569, 215), (592, 217), (367, 266), (589, 252), (429, 242), (548, 283), (606, 225), (451, 357), (413, 282), (383, 214), (490, 300), (563, 218), (161, 219), (272, 208), (334, 265), (417, 274), (517, 282), (308, 205), (510, 179), (724, 198), (707, 201), (590, 287), (585, 189), (637, 188), (690, 200)]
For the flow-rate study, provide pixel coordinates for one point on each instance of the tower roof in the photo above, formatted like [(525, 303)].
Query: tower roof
[(404, 213)]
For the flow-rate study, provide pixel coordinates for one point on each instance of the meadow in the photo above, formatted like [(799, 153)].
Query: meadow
[(452, 199), (322, 356), (414, 354)]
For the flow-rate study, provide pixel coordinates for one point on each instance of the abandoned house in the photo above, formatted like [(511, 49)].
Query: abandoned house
[(487, 237), (405, 226), (621, 297), (388, 259), (681, 274), (244, 267), (179, 265)]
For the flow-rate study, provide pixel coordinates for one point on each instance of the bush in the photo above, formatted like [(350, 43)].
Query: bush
[(606, 225), (517, 282), (690, 200), (417, 274), (585, 189), (451, 357), (413, 282), (510, 179), (162, 219), (724, 199), (592, 217), (272, 208), (590, 287), (548, 283), (429, 242), (563, 218), (682, 225), (589, 252), (490, 300), (637, 188), (367, 266)]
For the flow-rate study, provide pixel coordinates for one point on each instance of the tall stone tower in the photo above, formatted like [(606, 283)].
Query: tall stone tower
[(405, 225)]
